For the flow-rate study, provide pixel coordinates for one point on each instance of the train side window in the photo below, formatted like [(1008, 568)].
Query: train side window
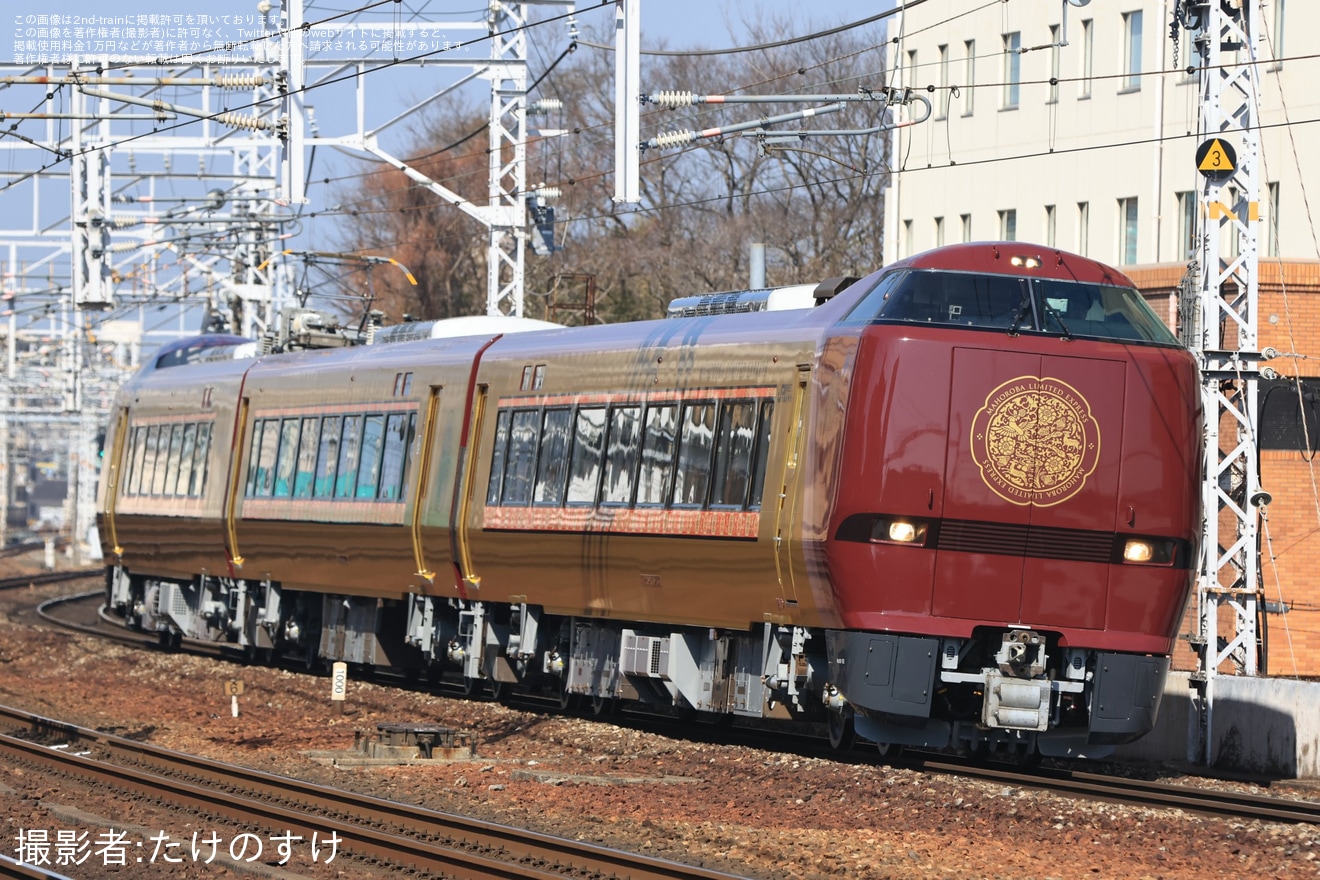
[(186, 458), (263, 481), (201, 460), (286, 460), (520, 465), (552, 466), (149, 463), (733, 454), (350, 444), (172, 463), (254, 453), (497, 456), (391, 462), (327, 457), (305, 471), (762, 455), (134, 482), (658, 444), (162, 460), (621, 455), (871, 305), (408, 452), (373, 436), (692, 474), (588, 449)]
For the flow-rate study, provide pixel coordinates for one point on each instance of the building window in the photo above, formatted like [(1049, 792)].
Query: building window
[(1187, 203), (939, 232), (1289, 414), (1051, 227), (912, 68), (1083, 228), (1272, 245), (1127, 233), (1008, 225), (970, 76), (966, 227), (908, 242), (1056, 51), (944, 83), (1012, 70), (1276, 37), (1132, 51), (1088, 58)]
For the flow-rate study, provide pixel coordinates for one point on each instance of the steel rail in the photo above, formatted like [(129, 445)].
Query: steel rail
[(373, 827)]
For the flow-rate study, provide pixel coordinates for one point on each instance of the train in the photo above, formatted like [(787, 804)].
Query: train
[(954, 505)]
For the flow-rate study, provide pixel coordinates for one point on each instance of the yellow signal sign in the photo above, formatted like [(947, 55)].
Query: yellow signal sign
[(1216, 159)]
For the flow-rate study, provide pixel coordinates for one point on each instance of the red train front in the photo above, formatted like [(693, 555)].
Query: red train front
[(1012, 547)]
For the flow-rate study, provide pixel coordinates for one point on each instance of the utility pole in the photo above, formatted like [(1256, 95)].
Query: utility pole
[(1226, 340)]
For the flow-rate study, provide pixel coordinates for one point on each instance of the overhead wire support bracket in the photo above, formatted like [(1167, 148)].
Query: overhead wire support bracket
[(885, 97)]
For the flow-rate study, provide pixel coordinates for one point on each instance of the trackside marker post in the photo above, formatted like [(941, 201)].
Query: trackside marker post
[(233, 688), (339, 683)]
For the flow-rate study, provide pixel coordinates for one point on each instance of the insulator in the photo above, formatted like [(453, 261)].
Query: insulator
[(548, 192), (238, 120), (239, 80), (674, 99), (674, 138), (544, 106), (125, 222)]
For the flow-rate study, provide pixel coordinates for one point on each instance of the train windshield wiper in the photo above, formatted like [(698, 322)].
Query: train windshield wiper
[(1052, 312), (1024, 308)]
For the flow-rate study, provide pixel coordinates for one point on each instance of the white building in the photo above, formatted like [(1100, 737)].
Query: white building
[(1101, 161)]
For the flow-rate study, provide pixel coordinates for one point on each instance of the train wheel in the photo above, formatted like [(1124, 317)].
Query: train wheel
[(499, 690), (601, 705), (568, 701), (889, 751), (470, 685), (842, 733)]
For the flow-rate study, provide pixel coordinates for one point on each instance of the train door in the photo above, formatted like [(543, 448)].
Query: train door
[(113, 464), (788, 552), (423, 480)]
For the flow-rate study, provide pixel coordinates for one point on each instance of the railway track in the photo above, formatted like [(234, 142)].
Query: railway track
[(1068, 781), (49, 577), (413, 838)]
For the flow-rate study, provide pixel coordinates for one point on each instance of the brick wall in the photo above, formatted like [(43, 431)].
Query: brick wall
[(1289, 322)]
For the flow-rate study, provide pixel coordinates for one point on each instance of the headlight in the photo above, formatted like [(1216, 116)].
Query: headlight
[(898, 530), (1148, 551)]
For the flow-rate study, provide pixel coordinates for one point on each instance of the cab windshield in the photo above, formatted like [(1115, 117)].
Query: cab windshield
[(1013, 304)]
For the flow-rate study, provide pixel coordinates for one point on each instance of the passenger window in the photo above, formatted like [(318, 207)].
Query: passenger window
[(657, 455), (497, 458), (588, 448), (305, 472), (201, 460), (408, 452), (391, 465), (762, 455), (621, 455), (134, 482), (264, 483), (373, 433), (350, 443), (287, 458), (172, 463), (327, 457), (254, 454), (162, 460), (733, 454), (186, 458), (692, 475), (553, 460), (521, 464)]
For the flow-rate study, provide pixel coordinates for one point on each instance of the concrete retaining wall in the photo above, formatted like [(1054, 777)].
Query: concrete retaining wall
[(1267, 726)]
